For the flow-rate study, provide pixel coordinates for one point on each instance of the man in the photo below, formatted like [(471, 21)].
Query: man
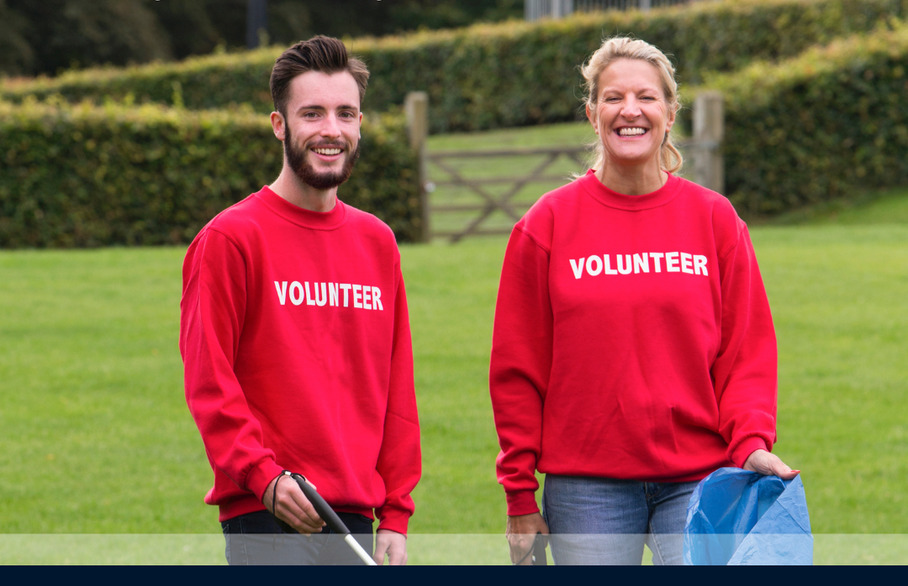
[(296, 341)]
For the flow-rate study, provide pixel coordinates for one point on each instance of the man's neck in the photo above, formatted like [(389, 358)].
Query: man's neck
[(292, 189)]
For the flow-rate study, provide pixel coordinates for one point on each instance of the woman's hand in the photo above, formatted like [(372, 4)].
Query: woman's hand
[(521, 533), (767, 463)]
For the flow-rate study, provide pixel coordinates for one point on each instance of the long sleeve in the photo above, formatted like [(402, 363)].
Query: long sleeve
[(519, 367), (745, 369), (399, 460), (213, 309)]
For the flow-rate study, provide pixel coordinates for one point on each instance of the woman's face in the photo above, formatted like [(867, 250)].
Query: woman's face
[(631, 114)]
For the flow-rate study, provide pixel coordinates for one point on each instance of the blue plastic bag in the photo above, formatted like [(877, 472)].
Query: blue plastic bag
[(738, 517)]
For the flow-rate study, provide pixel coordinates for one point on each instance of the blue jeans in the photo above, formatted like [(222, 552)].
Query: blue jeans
[(258, 539), (597, 521)]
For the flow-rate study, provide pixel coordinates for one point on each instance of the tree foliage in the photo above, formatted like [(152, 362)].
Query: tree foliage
[(51, 36)]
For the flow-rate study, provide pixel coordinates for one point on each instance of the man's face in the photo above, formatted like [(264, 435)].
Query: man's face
[(321, 128)]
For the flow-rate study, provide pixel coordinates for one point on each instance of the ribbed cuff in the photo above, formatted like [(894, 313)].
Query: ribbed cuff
[(747, 447), (521, 502)]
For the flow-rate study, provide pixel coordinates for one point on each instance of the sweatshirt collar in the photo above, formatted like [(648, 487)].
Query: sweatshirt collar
[(303, 217), (591, 185)]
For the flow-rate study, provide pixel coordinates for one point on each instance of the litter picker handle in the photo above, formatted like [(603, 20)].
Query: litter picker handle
[(334, 522), (322, 507), (539, 550)]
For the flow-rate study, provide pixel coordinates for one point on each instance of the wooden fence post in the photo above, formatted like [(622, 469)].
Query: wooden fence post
[(709, 129), (416, 107)]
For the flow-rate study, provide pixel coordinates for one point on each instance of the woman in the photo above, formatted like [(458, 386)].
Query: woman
[(633, 350)]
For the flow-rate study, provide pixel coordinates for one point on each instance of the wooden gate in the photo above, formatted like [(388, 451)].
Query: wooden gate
[(460, 200), (539, 162)]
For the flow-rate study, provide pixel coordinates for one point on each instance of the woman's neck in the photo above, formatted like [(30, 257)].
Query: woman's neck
[(632, 180)]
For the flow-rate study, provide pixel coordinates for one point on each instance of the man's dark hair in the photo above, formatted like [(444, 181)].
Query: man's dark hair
[(320, 53)]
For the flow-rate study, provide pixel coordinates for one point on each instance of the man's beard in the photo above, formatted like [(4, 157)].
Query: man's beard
[(324, 180)]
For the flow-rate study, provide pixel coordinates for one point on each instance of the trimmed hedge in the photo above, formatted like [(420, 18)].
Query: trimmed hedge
[(84, 175), (502, 75), (799, 129), (825, 125)]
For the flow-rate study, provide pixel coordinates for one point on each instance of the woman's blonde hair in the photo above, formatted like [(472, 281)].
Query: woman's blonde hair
[(670, 158)]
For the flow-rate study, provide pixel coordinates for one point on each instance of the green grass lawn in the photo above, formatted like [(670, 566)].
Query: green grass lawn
[(101, 462)]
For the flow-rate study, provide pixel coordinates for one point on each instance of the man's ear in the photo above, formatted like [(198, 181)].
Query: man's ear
[(277, 125)]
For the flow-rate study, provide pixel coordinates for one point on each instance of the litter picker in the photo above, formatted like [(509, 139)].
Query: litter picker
[(334, 522)]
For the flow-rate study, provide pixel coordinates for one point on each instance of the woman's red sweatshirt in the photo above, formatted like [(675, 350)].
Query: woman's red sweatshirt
[(632, 339)]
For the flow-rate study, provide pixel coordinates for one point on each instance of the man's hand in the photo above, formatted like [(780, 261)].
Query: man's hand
[(767, 463), (521, 533), (291, 506), (392, 544)]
